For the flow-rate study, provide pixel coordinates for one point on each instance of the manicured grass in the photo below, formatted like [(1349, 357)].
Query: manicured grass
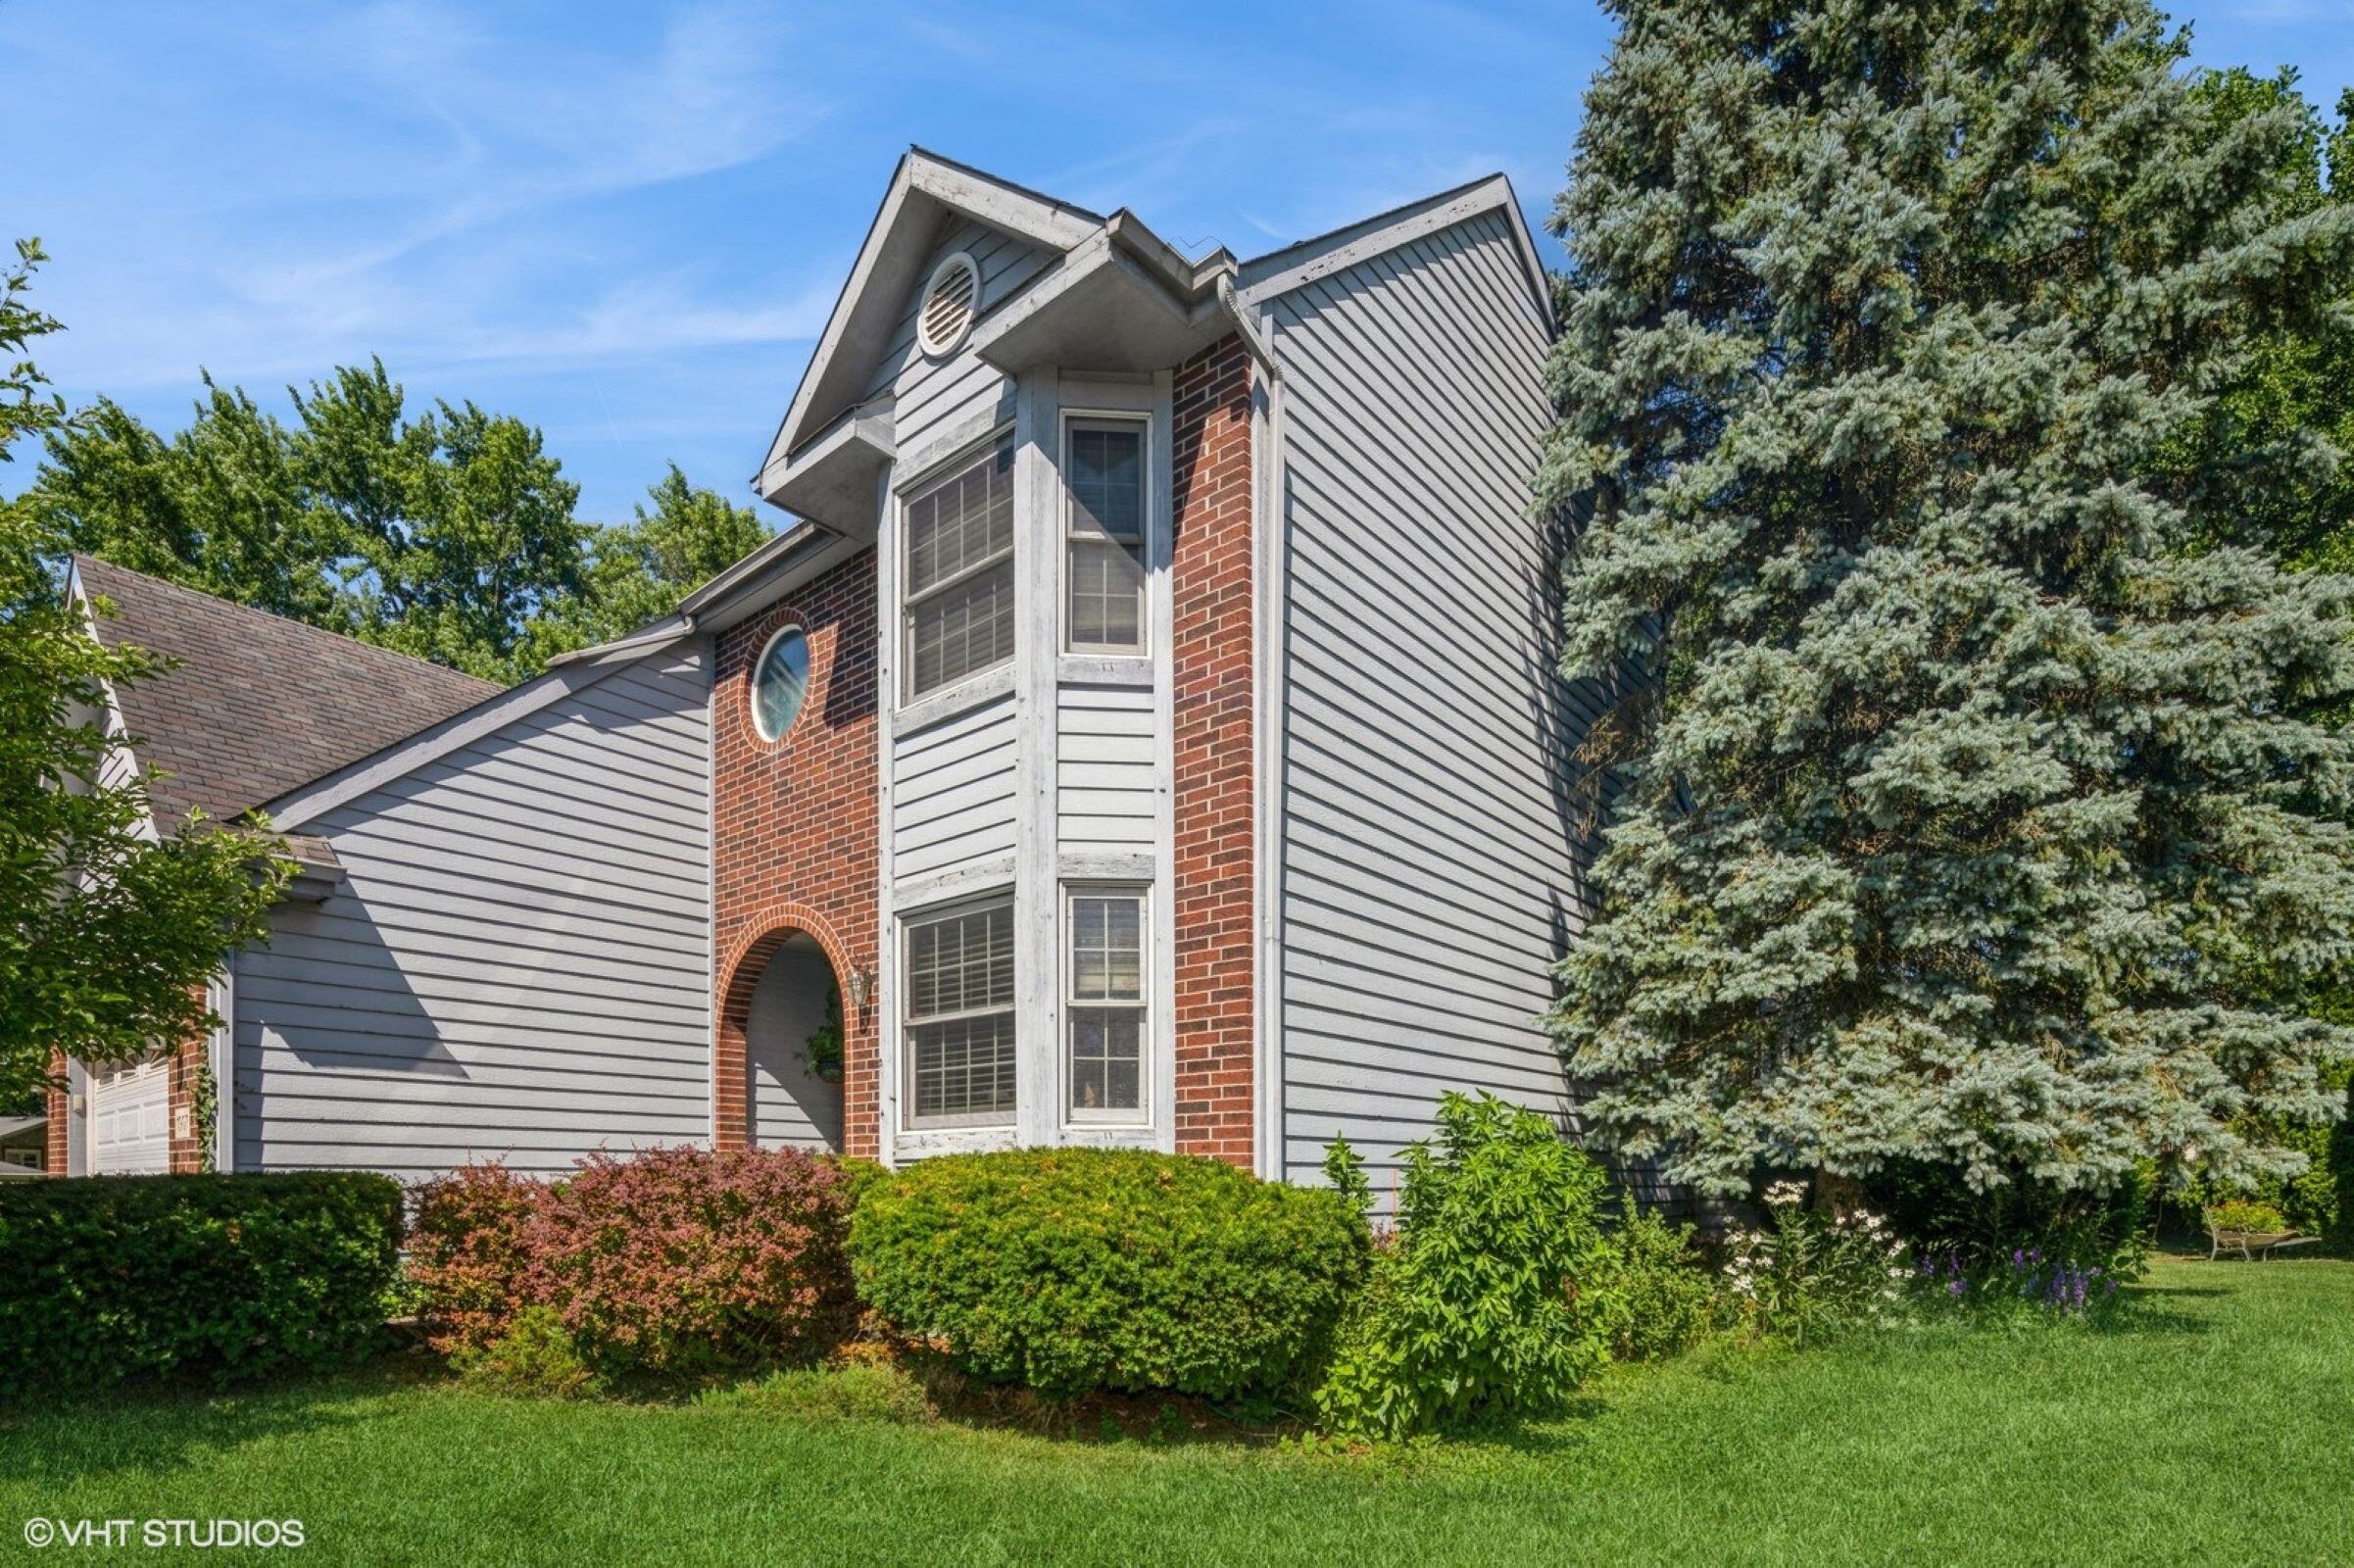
[(2219, 1426)]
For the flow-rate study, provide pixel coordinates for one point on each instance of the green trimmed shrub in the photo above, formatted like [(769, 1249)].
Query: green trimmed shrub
[(1487, 1304), (107, 1277), (1075, 1269)]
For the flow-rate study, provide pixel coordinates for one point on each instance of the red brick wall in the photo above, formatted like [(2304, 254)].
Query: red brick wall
[(60, 1108), (182, 1069), (793, 834), (1212, 640)]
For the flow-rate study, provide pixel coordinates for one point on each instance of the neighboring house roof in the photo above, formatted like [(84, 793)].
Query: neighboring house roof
[(22, 1130), (256, 703)]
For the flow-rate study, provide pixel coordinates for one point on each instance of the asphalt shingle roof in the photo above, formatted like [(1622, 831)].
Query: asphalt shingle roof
[(257, 704)]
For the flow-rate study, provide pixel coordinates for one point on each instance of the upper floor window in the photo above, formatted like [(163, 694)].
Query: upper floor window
[(959, 1016), (959, 573), (1103, 569)]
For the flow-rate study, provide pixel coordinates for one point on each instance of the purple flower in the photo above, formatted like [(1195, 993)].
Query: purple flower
[(1956, 1288)]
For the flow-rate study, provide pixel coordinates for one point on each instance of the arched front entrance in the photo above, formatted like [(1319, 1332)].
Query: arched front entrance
[(794, 1038), (777, 1079)]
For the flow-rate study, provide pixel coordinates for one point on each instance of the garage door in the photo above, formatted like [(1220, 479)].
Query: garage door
[(129, 1129)]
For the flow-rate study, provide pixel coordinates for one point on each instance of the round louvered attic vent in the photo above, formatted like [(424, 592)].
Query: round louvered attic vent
[(950, 300)]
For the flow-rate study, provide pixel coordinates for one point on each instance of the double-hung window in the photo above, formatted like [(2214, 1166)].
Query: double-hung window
[(1103, 567), (959, 573), (1103, 1002), (959, 1016)]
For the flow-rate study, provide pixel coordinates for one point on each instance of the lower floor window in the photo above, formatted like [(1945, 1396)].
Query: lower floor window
[(1104, 1003), (959, 1016)]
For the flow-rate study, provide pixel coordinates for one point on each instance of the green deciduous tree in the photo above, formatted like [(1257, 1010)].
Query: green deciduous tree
[(440, 534), (2267, 462), (449, 534), (639, 570), (107, 935), (1977, 820)]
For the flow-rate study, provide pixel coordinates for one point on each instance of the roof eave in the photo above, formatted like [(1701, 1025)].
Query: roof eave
[(1121, 302), (1292, 266)]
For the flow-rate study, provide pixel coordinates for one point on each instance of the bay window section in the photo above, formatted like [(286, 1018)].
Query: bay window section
[(959, 1023), (958, 535), (1104, 563), (1104, 1003)]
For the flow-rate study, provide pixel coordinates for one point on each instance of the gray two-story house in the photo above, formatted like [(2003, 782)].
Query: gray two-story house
[(1145, 732)]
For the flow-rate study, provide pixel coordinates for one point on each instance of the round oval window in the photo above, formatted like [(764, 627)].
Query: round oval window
[(780, 682)]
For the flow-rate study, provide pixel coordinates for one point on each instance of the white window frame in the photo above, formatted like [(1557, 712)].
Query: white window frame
[(909, 1024), (1070, 1003), (935, 477), (1148, 548)]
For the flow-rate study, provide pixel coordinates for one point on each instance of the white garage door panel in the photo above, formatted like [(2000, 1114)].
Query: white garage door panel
[(130, 1132)]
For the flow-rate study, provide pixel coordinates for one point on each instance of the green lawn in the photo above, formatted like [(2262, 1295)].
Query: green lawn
[(2219, 1427)]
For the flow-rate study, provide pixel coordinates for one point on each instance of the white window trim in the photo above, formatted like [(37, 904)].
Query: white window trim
[(1141, 653), (752, 687), (940, 701), (1147, 1034), (984, 1124)]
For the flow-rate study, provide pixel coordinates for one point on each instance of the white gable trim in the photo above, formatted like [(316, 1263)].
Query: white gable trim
[(111, 719), (1281, 271), (923, 185)]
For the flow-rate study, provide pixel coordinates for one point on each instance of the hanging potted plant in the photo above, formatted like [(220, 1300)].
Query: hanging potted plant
[(822, 1050)]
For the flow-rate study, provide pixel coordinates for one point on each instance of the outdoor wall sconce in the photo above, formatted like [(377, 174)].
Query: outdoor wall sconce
[(861, 988)]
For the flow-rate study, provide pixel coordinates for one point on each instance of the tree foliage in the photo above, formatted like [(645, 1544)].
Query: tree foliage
[(1978, 821), (107, 934), (2269, 456), (449, 533)]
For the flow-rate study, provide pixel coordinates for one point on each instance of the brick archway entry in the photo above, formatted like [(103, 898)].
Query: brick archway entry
[(731, 1064)]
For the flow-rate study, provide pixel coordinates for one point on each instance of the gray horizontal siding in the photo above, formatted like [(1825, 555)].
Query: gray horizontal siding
[(1428, 857), (952, 792), (516, 965), (1105, 784)]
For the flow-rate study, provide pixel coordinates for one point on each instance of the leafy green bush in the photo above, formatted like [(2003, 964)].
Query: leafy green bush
[(2243, 1214), (1486, 1301), (534, 1356), (1979, 1233), (1076, 1269), (111, 1276), (1662, 1295)]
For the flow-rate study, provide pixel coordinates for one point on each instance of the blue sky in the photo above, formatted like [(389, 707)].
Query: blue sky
[(625, 222)]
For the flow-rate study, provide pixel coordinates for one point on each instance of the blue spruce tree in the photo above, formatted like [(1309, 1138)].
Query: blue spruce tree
[(1975, 813)]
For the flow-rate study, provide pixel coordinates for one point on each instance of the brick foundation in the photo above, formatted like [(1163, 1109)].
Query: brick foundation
[(1212, 637), (794, 840)]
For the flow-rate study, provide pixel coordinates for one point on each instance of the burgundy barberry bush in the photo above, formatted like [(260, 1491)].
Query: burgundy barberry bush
[(469, 1252), (684, 1260)]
